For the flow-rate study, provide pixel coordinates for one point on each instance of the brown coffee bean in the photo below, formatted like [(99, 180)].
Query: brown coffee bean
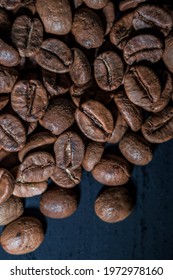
[(143, 47), (22, 236), (59, 116), (27, 35), (112, 171), (87, 28), (55, 56), (142, 87), (37, 167), (29, 189), (130, 112), (12, 133), (95, 121), (10, 210), (31, 127), (67, 178), (129, 4), (4, 99), (168, 52), (114, 204), (80, 72), (59, 203), (29, 100), (120, 129), (10, 4), (9, 57), (136, 149), (8, 77), (152, 16), (6, 185), (55, 15), (69, 150), (108, 70), (121, 30), (109, 14), (158, 128), (93, 154), (95, 4)]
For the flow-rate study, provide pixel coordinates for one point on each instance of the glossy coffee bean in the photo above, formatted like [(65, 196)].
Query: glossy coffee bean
[(114, 204), (9, 57), (143, 47), (55, 15), (8, 77), (168, 52), (93, 154), (10, 210), (6, 185), (29, 100), (69, 150), (25, 190), (129, 4), (94, 120), (95, 4), (108, 70), (112, 171), (87, 28), (59, 203), (136, 149), (120, 129), (22, 236), (67, 178)]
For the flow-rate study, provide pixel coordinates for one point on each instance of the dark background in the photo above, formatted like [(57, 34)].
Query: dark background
[(146, 234)]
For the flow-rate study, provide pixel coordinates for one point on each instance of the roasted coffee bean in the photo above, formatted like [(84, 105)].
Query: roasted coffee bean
[(27, 35), (151, 16), (55, 56), (121, 30), (66, 178), (8, 77), (9, 57), (4, 99), (114, 204), (6, 185), (93, 154), (10, 4), (36, 167), (80, 72), (55, 15), (108, 70), (158, 128), (22, 236), (12, 133), (142, 87), (168, 52), (136, 149), (31, 127), (109, 14), (143, 47), (87, 28), (95, 4), (39, 139), (59, 203), (56, 84), (130, 112), (120, 129), (95, 121), (29, 189), (112, 171), (10, 210), (59, 116), (129, 4), (29, 100), (69, 150)]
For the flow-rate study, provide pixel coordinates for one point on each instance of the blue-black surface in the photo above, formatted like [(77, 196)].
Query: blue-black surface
[(146, 234)]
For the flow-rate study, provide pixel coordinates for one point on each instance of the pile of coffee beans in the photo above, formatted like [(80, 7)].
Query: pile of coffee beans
[(76, 77)]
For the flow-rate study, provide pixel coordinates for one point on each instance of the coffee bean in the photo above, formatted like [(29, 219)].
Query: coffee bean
[(158, 128), (87, 28), (168, 52), (136, 149), (109, 14), (36, 167), (29, 100), (120, 129), (22, 236), (94, 120), (95, 4), (12, 133), (129, 4), (55, 15), (10, 4), (9, 57), (59, 116), (93, 154), (8, 77), (6, 185), (69, 150), (66, 178), (10, 210), (114, 204), (27, 35), (55, 56), (25, 190), (143, 47), (59, 203), (152, 16), (112, 171), (130, 112), (31, 127), (108, 70)]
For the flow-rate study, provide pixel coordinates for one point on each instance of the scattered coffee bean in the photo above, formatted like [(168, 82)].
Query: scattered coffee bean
[(10, 210)]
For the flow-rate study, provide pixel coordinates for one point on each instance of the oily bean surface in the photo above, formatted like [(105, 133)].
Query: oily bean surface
[(8, 77), (9, 57), (93, 154), (66, 178), (6, 185), (10, 210)]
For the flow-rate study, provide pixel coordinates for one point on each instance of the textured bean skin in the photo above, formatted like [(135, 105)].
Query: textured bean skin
[(136, 149), (109, 14), (67, 178), (6, 185), (114, 205), (129, 4), (120, 129), (22, 236), (8, 77), (95, 4), (29, 189), (9, 57), (93, 154), (59, 203), (59, 20), (10, 210)]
